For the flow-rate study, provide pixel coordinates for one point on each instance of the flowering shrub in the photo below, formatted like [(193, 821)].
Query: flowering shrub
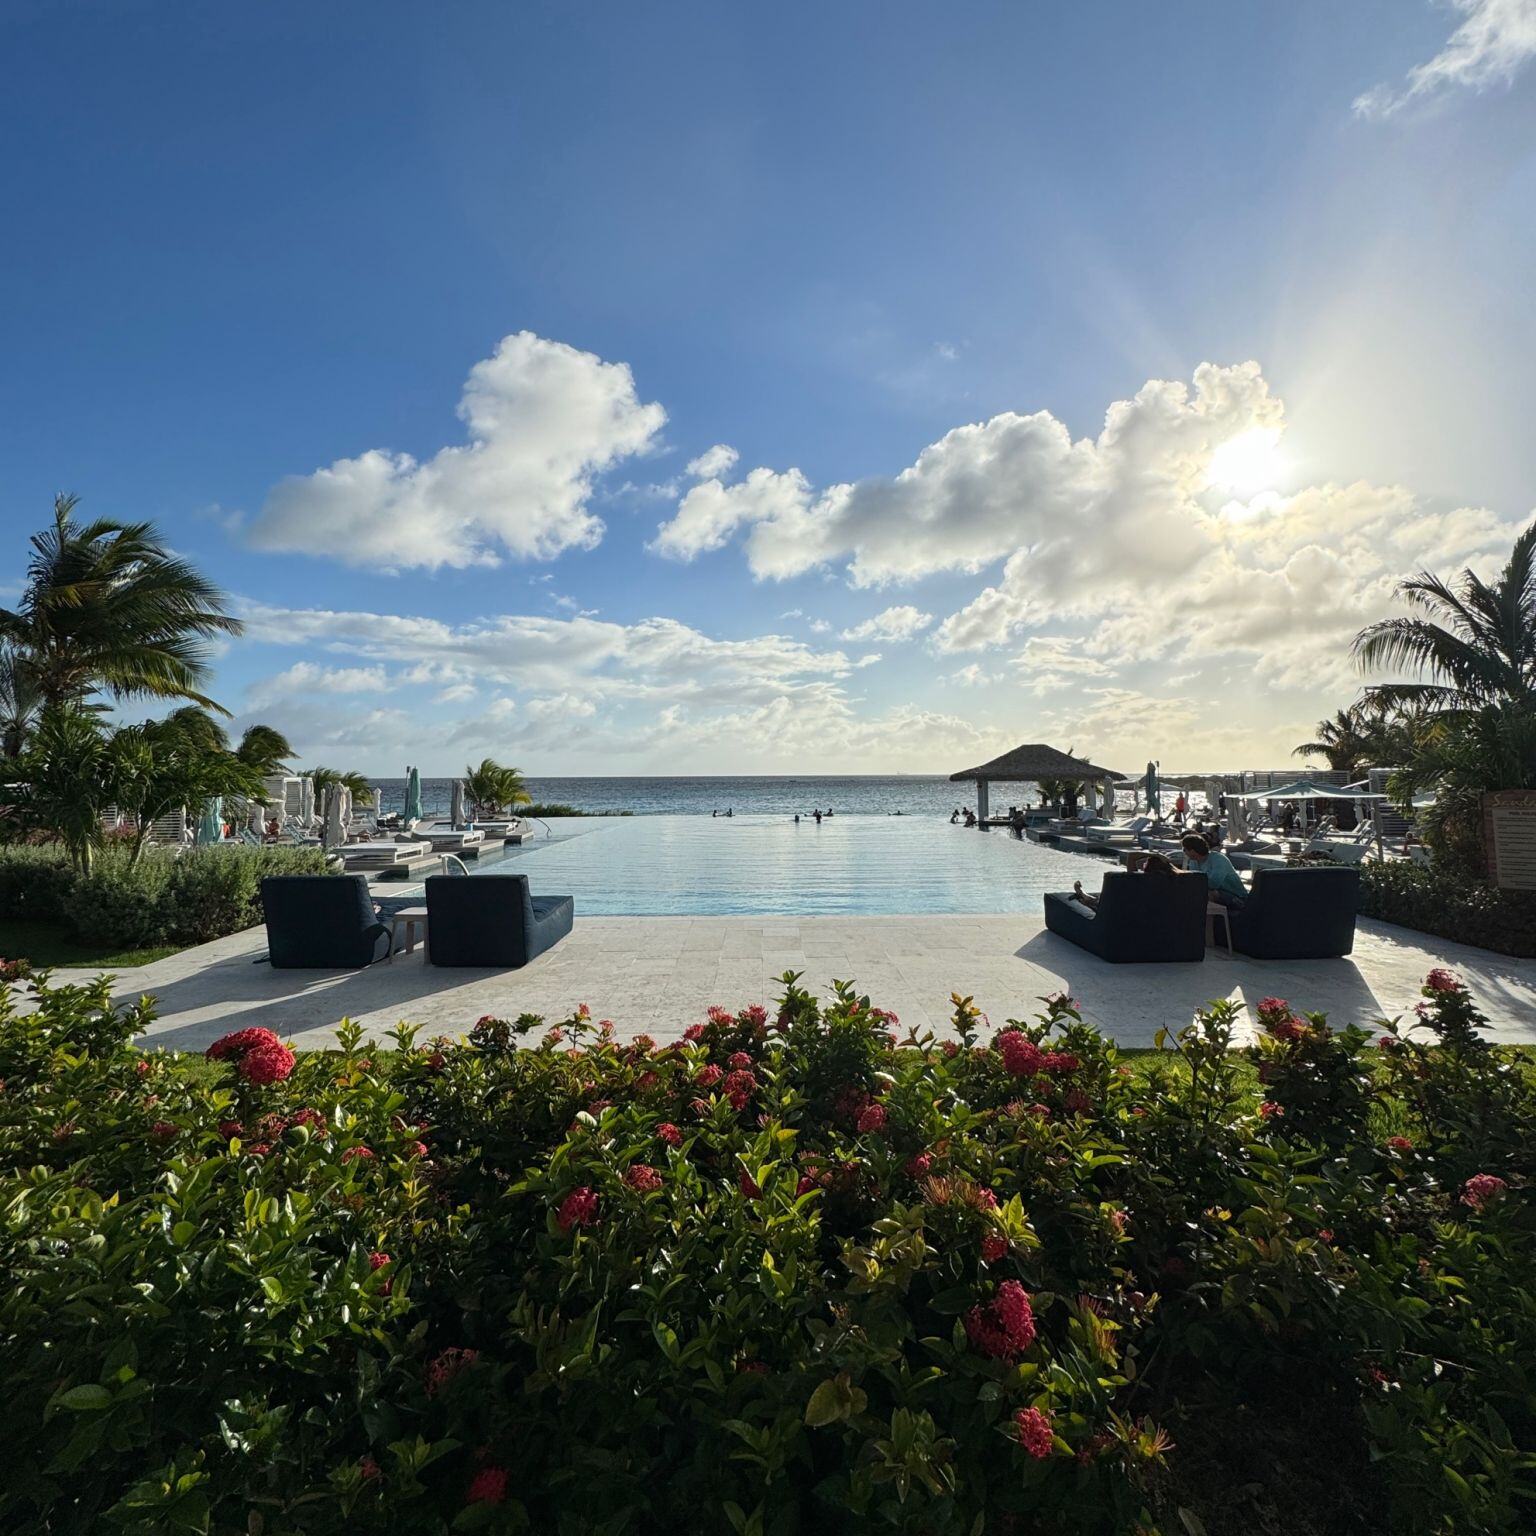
[(795, 1272)]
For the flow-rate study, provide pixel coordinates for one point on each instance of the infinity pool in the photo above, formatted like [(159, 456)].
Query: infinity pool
[(750, 865)]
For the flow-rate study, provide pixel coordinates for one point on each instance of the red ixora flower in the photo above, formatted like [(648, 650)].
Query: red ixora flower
[(1481, 1190), (1442, 980), (642, 1178), (693, 1033), (238, 1043), (447, 1364), (739, 1061), (756, 1015), (265, 1064), (368, 1468), (376, 1262), (994, 1246), (489, 1486), (669, 1133), (162, 1130), (951, 1049), (353, 1153), (708, 1076), (919, 1164), (1004, 1327), (872, 1117), (1269, 1110), (1059, 1061), (142, 1067), (719, 1015), (1400, 1143), (1021, 1056), (1034, 1431), (230, 1128), (578, 1209)]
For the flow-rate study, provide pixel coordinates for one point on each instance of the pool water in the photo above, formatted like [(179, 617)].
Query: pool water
[(750, 865)]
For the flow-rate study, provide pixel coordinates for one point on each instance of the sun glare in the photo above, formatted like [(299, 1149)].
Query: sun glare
[(1249, 463)]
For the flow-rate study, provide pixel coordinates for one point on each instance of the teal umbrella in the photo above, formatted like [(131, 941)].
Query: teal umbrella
[(1154, 796), (412, 795), (210, 827)]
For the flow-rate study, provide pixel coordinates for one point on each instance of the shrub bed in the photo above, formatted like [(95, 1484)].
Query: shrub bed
[(1450, 906), (166, 898), (795, 1273)]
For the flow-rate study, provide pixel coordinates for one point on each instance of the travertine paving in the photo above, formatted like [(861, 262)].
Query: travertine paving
[(659, 974)]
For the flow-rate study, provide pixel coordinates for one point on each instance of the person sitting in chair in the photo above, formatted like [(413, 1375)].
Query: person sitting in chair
[(1153, 864), (1226, 885)]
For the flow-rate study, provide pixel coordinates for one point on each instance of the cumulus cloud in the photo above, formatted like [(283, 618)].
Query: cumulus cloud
[(1490, 47), (306, 679), (714, 463), (901, 623), (986, 490), (543, 421)]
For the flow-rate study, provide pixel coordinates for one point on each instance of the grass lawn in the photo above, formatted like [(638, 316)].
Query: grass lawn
[(46, 943)]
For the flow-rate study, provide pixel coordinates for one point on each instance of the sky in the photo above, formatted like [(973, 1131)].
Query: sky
[(861, 387)]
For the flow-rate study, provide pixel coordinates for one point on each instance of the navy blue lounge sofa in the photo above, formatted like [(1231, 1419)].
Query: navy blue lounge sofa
[(321, 922), (492, 920), (1140, 918), (1299, 914)]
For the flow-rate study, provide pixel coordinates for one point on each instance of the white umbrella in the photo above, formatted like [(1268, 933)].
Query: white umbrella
[(258, 818), (306, 802), (333, 836), (456, 814)]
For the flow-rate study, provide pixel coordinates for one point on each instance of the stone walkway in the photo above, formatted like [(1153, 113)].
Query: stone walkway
[(659, 974)]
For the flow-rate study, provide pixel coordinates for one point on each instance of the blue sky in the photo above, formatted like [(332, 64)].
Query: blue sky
[(898, 261)]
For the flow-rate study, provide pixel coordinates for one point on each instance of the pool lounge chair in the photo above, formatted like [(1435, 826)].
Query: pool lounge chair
[(1299, 914), (492, 920), (321, 922), (1140, 918)]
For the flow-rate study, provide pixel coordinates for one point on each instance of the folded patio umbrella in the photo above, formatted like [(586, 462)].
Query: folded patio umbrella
[(306, 802), (456, 813), (412, 810), (210, 826), (1154, 800)]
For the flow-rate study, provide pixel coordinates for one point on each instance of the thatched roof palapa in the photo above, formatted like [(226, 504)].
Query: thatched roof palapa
[(1033, 762)]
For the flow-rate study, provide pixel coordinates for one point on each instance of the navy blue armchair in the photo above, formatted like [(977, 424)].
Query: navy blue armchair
[(321, 922), (492, 920), (1299, 914), (1140, 918)]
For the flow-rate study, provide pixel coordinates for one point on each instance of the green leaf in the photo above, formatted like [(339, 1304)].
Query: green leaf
[(88, 1398), (827, 1405)]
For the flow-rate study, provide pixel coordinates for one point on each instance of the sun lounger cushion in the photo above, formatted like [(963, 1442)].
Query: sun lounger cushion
[(492, 920), (321, 922), (1298, 914), (1140, 918)]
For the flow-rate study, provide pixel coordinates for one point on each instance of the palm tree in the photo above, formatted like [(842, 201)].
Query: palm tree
[(1474, 645), (325, 779), (20, 701), (1476, 642), (1345, 741), (108, 608), (60, 784), (265, 749), (493, 788)]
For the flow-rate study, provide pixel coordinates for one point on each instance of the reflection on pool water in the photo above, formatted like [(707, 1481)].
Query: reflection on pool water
[(749, 865)]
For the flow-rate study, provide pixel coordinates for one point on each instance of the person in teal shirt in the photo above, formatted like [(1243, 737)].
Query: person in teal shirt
[(1226, 885)]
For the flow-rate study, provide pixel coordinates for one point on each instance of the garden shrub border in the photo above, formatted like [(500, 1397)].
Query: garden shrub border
[(1450, 907)]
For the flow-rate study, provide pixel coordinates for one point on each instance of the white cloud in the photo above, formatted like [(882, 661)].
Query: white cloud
[(986, 490), (1489, 48), (305, 679), (901, 623), (714, 463), (712, 511), (543, 421)]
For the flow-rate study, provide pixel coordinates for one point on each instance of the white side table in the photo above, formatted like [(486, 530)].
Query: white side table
[(409, 918)]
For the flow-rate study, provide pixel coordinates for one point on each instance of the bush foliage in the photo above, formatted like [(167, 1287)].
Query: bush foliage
[(1450, 906), (185, 897), (794, 1273)]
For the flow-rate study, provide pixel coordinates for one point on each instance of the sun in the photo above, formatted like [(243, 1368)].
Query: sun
[(1249, 463)]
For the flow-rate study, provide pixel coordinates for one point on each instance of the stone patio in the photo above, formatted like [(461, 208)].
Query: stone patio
[(659, 974)]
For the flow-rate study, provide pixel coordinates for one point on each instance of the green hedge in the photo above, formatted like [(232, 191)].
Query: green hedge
[(1450, 907), (167, 898), (791, 1274)]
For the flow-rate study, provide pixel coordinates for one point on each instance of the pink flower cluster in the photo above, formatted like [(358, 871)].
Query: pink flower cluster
[(1442, 980), (1481, 1190), (669, 1133), (376, 1262), (872, 1117), (1021, 1056), (443, 1367), (1004, 1327), (259, 1056), (489, 1486), (578, 1209), (642, 1178), (994, 1246), (1035, 1432)]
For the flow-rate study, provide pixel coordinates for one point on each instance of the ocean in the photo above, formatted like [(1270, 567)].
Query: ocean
[(875, 795)]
